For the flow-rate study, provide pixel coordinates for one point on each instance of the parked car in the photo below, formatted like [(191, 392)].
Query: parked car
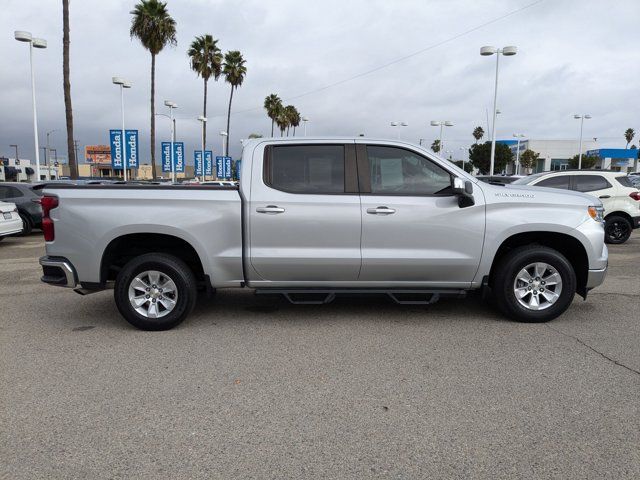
[(498, 178), (26, 196), (621, 200), (313, 218), (10, 221)]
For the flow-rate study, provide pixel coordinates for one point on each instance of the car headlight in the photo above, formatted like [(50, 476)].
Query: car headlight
[(597, 213)]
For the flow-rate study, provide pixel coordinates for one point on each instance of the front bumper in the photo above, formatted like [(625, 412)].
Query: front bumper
[(596, 277), (58, 271)]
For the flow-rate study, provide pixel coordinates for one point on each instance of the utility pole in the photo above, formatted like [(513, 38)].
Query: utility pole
[(46, 160)]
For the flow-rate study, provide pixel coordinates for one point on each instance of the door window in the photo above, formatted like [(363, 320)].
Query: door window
[(590, 183), (316, 169), (559, 181), (396, 171)]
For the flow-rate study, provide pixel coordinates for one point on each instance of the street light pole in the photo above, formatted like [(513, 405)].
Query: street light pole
[(304, 121), (582, 118), (202, 161), (441, 124), (16, 147), (171, 106), (487, 51), (33, 43), (123, 84), (518, 136)]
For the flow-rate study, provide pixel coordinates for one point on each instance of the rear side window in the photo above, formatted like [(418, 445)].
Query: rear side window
[(590, 183), (560, 181), (315, 169), (7, 191), (625, 182)]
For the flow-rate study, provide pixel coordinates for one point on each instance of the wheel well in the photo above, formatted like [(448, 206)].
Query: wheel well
[(126, 247), (567, 245), (620, 214)]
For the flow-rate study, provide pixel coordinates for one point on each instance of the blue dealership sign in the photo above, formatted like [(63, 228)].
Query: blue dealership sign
[(166, 156), (197, 161), (238, 163), (220, 167), (178, 157), (208, 162), (115, 138), (131, 147), (227, 168)]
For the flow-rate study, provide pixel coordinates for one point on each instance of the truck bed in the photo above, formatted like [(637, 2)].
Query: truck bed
[(91, 217)]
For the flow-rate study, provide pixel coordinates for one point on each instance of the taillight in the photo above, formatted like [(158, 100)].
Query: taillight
[(635, 196), (48, 203)]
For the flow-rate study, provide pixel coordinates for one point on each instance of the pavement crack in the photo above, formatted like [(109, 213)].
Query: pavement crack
[(581, 342)]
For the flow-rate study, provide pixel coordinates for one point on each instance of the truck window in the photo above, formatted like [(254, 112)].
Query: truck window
[(560, 181), (314, 169), (590, 183), (397, 171)]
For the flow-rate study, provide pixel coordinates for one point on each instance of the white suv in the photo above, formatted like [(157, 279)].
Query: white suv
[(621, 200)]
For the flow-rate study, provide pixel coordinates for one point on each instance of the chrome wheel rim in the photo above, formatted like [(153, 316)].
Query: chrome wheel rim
[(537, 286), (153, 294)]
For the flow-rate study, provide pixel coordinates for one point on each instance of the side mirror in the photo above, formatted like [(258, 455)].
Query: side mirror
[(464, 190)]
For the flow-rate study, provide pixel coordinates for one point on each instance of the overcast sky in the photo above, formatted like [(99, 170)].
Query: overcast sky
[(574, 56)]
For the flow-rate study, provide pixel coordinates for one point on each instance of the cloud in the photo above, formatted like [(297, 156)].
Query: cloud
[(573, 57)]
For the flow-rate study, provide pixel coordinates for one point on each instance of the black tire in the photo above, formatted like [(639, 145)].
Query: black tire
[(27, 225), (504, 284), (617, 229), (173, 268)]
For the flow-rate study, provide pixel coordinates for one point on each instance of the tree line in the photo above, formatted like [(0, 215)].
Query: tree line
[(283, 116)]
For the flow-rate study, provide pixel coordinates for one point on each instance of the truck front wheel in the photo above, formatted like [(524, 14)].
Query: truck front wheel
[(155, 291), (534, 284)]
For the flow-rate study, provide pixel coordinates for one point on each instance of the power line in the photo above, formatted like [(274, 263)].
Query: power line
[(400, 59)]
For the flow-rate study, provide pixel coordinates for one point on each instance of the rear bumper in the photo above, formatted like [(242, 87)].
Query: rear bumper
[(635, 222), (596, 277), (58, 271), (11, 227)]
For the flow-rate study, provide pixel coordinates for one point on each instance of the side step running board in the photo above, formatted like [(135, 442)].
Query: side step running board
[(318, 296)]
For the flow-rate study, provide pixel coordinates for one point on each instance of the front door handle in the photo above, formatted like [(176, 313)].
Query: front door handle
[(604, 196), (273, 209), (381, 211)]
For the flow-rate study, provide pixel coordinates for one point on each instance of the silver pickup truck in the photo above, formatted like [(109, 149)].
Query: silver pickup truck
[(313, 218)]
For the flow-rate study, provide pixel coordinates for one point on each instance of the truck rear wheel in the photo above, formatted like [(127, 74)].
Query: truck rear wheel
[(155, 291), (534, 284)]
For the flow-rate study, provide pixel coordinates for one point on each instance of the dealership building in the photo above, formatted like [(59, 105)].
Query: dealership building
[(554, 154)]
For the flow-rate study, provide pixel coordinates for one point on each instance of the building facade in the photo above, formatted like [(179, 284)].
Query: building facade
[(554, 154)]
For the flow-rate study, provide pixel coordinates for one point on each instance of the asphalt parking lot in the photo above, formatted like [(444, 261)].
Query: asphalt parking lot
[(252, 387)]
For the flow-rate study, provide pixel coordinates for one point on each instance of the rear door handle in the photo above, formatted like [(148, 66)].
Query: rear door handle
[(604, 196), (273, 209), (381, 211)]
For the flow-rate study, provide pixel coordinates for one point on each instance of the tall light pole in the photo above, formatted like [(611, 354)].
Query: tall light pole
[(582, 119), (399, 124), (462, 149), (123, 84), (171, 106), (304, 121), (518, 136), (441, 124), (485, 52), (47, 150), (203, 121), (223, 134), (33, 43)]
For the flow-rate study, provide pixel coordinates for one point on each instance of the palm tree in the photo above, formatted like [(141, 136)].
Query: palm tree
[(66, 85), (435, 146), (628, 135), (206, 61), (282, 120), (478, 133), (294, 119), (154, 27), (272, 104), (234, 72), (290, 112)]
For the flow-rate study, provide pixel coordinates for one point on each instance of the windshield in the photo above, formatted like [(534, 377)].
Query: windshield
[(527, 180)]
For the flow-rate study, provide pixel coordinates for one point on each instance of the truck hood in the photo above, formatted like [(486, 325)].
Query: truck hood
[(530, 194)]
